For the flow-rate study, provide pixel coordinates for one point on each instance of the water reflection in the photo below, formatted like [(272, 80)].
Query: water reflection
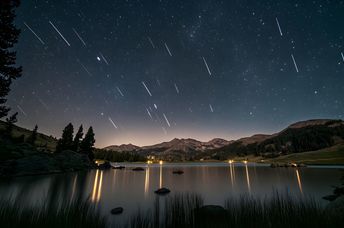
[(147, 181), (248, 179), (299, 180), (160, 179), (131, 190), (231, 169), (97, 186), (95, 183), (74, 186)]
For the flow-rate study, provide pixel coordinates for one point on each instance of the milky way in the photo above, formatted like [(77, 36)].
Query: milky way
[(146, 71)]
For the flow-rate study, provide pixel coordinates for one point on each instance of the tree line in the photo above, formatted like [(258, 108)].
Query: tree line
[(115, 156), (77, 143)]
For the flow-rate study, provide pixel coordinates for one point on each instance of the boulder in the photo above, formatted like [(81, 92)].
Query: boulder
[(162, 191), (117, 210), (210, 216), (138, 169), (211, 210), (336, 206), (105, 165), (179, 172)]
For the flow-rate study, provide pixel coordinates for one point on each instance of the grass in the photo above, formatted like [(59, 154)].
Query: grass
[(328, 156), (75, 214), (176, 211), (185, 210), (278, 211), (182, 211)]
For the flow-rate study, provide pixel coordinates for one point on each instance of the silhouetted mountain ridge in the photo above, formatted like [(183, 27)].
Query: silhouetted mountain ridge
[(298, 137)]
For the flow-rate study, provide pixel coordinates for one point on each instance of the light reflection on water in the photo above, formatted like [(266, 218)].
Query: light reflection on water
[(160, 175), (299, 180), (216, 182), (147, 181), (248, 179), (232, 174)]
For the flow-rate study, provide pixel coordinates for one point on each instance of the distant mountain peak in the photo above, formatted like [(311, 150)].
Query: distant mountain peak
[(122, 147), (280, 142), (177, 144)]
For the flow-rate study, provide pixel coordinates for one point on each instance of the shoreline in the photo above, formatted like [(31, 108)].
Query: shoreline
[(225, 162), (171, 164)]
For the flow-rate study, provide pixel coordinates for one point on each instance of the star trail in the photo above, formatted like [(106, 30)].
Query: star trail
[(143, 72)]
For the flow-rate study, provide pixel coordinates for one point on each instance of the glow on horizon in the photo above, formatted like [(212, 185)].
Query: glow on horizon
[(143, 139), (141, 135)]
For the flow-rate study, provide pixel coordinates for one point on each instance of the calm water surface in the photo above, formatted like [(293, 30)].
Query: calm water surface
[(216, 182)]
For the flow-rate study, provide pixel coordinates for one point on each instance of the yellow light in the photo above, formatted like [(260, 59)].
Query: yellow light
[(248, 178), (245, 162), (160, 162), (149, 162), (299, 180), (95, 184), (100, 186), (230, 161), (147, 182)]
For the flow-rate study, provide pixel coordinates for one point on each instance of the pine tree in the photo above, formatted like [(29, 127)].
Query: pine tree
[(87, 144), (77, 139), (8, 38), (33, 137), (10, 123), (66, 141)]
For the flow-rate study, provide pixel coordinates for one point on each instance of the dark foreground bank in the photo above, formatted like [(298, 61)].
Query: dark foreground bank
[(184, 210), (75, 214)]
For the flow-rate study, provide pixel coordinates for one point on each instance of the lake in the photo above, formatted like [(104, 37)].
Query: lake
[(215, 182)]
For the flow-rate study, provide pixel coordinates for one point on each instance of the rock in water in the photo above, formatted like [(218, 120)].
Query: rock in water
[(336, 206), (118, 167), (117, 210), (105, 165), (162, 191), (179, 172)]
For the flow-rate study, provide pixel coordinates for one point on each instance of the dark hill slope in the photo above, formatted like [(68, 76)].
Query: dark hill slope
[(299, 137)]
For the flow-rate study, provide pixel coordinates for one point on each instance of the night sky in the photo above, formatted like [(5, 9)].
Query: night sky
[(145, 71)]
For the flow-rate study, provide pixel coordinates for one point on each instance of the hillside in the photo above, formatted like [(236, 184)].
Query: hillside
[(176, 149), (122, 148), (310, 135), (303, 136), (19, 158), (43, 142), (332, 155)]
